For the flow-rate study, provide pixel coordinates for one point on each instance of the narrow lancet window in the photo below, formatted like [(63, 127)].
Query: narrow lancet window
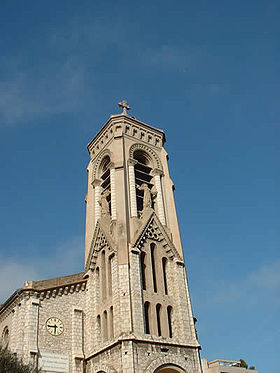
[(153, 246), (109, 277), (105, 326), (143, 269), (146, 317), (103, 275), (169, 316), (158, 311), (98, 331), (97, 281), (164, 263), (111, 322)]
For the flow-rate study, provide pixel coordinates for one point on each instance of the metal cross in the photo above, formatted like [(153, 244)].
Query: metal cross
[(124, 106)]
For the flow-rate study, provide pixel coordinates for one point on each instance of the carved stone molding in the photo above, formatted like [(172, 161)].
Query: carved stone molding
[(151, 153), (98, 161), (96, 368), (184, 364), (62, 290)]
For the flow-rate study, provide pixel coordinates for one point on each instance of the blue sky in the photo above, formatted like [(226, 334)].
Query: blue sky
[(208, 74)]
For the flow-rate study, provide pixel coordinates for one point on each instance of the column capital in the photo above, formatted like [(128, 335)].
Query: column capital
[(157, 171), (111, 165), (132, 162), (96, 182)]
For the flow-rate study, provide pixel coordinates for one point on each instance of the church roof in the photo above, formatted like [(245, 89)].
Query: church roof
[(54, 282), (45, 285)]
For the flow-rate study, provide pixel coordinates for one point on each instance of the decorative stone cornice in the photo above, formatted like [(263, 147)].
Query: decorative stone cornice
[(157, 171), (63, 290), (119, 125), (131, 162)]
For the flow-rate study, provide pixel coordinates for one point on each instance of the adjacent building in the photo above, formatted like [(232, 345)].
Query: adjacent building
[(225, 366)]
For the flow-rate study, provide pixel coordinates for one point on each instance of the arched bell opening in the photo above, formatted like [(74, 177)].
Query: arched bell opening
[(169, 368), (143, 178), (104, 175)]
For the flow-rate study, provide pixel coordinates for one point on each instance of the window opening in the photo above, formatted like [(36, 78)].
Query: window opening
[(98, 321), (109, 277), (97, 285), (169, 316), (164, 262), (143, 269), (143, 175), (153, 246), (105, 179), (158, 311), (111, 322), (103, 275), (146, 317), (105, 326)]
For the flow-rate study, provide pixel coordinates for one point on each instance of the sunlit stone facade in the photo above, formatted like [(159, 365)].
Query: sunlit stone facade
[(130, 309)]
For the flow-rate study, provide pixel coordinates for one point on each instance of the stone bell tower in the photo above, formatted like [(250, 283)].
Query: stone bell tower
[(138, 309)]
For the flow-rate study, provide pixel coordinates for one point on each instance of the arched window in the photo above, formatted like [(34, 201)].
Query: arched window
[(111, 322), (98, 327), (153, 263), (169, 316), (146, 317), (164, 263), (104, 171), (143, 175), (97, 281), (105, 326), (5, 336), (103, 275), (158, 312), (143, 269), (109, 276)]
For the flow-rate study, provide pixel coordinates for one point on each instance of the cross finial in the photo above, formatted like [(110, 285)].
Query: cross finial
[(124, 106)]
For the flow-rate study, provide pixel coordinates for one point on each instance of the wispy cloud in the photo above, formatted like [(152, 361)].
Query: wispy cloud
[(252, 286), (32, 92), (267, 276), (171, 57), (67, 258)]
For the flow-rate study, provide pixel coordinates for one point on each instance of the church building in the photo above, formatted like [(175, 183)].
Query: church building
[(129, 311)]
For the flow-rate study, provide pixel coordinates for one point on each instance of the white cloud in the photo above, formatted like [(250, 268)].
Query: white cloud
[(170, 57), (249, 287), (41, 90), (267, 276)]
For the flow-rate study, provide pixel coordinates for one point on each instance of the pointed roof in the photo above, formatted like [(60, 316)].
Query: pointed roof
[(152, 228), (101, 239)]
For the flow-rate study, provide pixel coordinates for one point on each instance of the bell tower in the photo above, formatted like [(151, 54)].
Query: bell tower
[(138, 310)]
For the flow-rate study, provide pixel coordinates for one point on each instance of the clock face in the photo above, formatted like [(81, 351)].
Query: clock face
[(54, 326)]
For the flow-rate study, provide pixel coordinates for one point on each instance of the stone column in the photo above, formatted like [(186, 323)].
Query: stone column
[(160, 206), (132, 188), (77, 340), (113, 192), (97, 192), (136, 292), (182, 315)]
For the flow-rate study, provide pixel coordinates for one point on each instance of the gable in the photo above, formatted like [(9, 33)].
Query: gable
[(101, 240), (153, 229)]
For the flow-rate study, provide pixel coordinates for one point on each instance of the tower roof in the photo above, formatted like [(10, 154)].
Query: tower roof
[(123, 124)]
